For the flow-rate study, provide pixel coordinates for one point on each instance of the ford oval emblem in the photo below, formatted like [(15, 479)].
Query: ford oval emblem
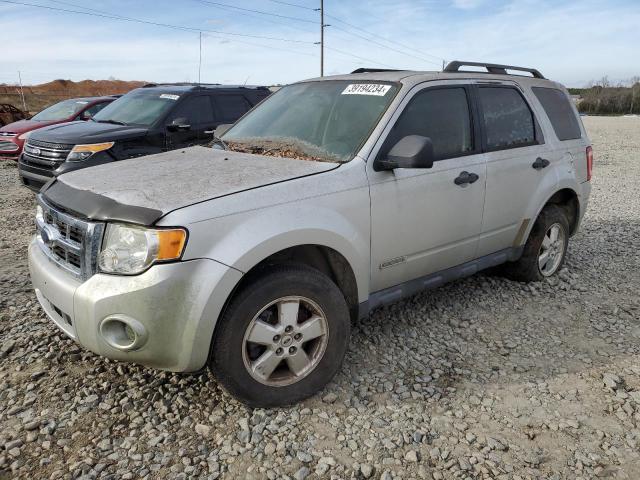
[(45, 236), (36, 151)]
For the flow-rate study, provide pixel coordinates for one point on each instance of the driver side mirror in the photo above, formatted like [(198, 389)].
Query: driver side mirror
[(86, 116), (180, 123), (222, 129), (412, 151)]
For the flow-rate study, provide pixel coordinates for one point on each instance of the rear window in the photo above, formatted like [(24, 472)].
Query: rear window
[(508, 120), (557, 107)]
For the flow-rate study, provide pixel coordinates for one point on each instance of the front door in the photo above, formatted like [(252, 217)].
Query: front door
[(188, 121), (427, 220)]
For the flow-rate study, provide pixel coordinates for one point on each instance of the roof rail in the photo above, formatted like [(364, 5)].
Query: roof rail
[(179, 84), (205, 85), (375, 70), (491, 68)]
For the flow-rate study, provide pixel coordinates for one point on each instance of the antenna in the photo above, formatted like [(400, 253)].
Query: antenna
[(200, 59)]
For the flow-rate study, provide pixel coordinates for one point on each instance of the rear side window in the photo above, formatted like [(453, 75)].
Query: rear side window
[(507, 118), (231, 107), (195, 110), (557, 107), (440, 114)]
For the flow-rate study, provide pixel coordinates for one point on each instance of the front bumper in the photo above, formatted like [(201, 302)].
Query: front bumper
[(33, 177), (177, 304)]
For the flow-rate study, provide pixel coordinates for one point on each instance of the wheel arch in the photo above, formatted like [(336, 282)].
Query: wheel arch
[(323, 258), (566, 198)]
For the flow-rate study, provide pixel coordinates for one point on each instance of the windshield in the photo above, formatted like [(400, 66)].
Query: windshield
[(60, 111), (141, 108), (324, 121)]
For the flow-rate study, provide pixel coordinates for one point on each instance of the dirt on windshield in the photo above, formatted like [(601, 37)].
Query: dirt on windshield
[(279, 149)]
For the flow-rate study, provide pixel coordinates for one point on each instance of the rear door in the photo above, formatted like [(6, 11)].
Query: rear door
[(423, 220), (566, 125), (514, 142), (230, 107)]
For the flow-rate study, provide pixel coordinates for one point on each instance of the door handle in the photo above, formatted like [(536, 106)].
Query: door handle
[(540, 163), (465, 178), (209, 131)]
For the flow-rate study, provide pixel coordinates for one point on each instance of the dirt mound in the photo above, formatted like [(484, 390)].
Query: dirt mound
[(85, 88), (41, 96)]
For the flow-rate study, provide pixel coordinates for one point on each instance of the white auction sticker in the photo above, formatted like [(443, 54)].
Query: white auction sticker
[(170, 96), (376, 89)]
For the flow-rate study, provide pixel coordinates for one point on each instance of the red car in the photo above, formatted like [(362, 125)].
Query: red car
[(13, 136)]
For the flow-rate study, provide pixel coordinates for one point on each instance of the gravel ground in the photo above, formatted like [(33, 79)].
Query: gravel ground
[(483, 378)]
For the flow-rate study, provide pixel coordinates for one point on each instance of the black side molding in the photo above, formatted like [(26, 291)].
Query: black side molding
[(434, 280), (94, 206)]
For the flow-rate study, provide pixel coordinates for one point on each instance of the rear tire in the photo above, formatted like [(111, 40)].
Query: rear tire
[(282, 338), (545, 250)]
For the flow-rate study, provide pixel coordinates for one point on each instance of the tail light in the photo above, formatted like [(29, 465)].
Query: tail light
[(589, 163)]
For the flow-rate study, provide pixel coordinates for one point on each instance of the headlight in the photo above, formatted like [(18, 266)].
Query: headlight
[(24, 136), (129, 250), (82, 152)]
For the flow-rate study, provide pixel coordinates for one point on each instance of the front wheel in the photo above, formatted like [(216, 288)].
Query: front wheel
[(282, 338), (546, 248)]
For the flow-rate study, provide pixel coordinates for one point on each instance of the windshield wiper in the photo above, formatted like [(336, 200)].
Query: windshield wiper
[(113, 122)]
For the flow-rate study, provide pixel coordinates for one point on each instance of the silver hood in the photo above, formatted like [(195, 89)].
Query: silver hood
[(171, 180)]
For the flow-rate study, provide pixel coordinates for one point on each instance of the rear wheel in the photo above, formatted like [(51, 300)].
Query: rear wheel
[(546, 248), (282, 338)]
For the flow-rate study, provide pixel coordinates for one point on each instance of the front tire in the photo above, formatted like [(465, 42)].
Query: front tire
[(282, 338), (546, 248)]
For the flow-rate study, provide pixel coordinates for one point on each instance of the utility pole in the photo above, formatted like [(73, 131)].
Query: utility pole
[(24, 104), (321, 42), (322, 38), (200, 59)]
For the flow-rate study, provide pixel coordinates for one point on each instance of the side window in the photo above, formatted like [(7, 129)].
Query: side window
[(557, 107), (508, 120), (441, 114), (231, 107), (91, 111), (193, 110)]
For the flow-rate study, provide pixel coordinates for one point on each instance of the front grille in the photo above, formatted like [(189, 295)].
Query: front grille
[(45, 155), (8, 134), (8, 146), (70, 242)]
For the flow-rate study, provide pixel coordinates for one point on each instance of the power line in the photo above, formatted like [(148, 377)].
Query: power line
[(388, 41), (358, 57), (270, 20), (385, 46), (293, 5), (218, 4), (298, 19), (270, 47), (157, 24)]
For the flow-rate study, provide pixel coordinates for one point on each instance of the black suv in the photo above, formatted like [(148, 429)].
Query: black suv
[(151, 119)]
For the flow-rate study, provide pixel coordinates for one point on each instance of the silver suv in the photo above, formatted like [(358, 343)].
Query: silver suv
[(332, 197)]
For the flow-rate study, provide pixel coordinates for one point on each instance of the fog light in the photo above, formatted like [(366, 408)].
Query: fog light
[(123, 333)]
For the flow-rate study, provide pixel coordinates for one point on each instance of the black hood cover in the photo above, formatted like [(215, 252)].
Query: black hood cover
[(87, 132)]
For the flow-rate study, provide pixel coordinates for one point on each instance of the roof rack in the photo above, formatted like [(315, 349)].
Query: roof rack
[(491, 68), (375, 70), (178, 84), (204, 85)]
